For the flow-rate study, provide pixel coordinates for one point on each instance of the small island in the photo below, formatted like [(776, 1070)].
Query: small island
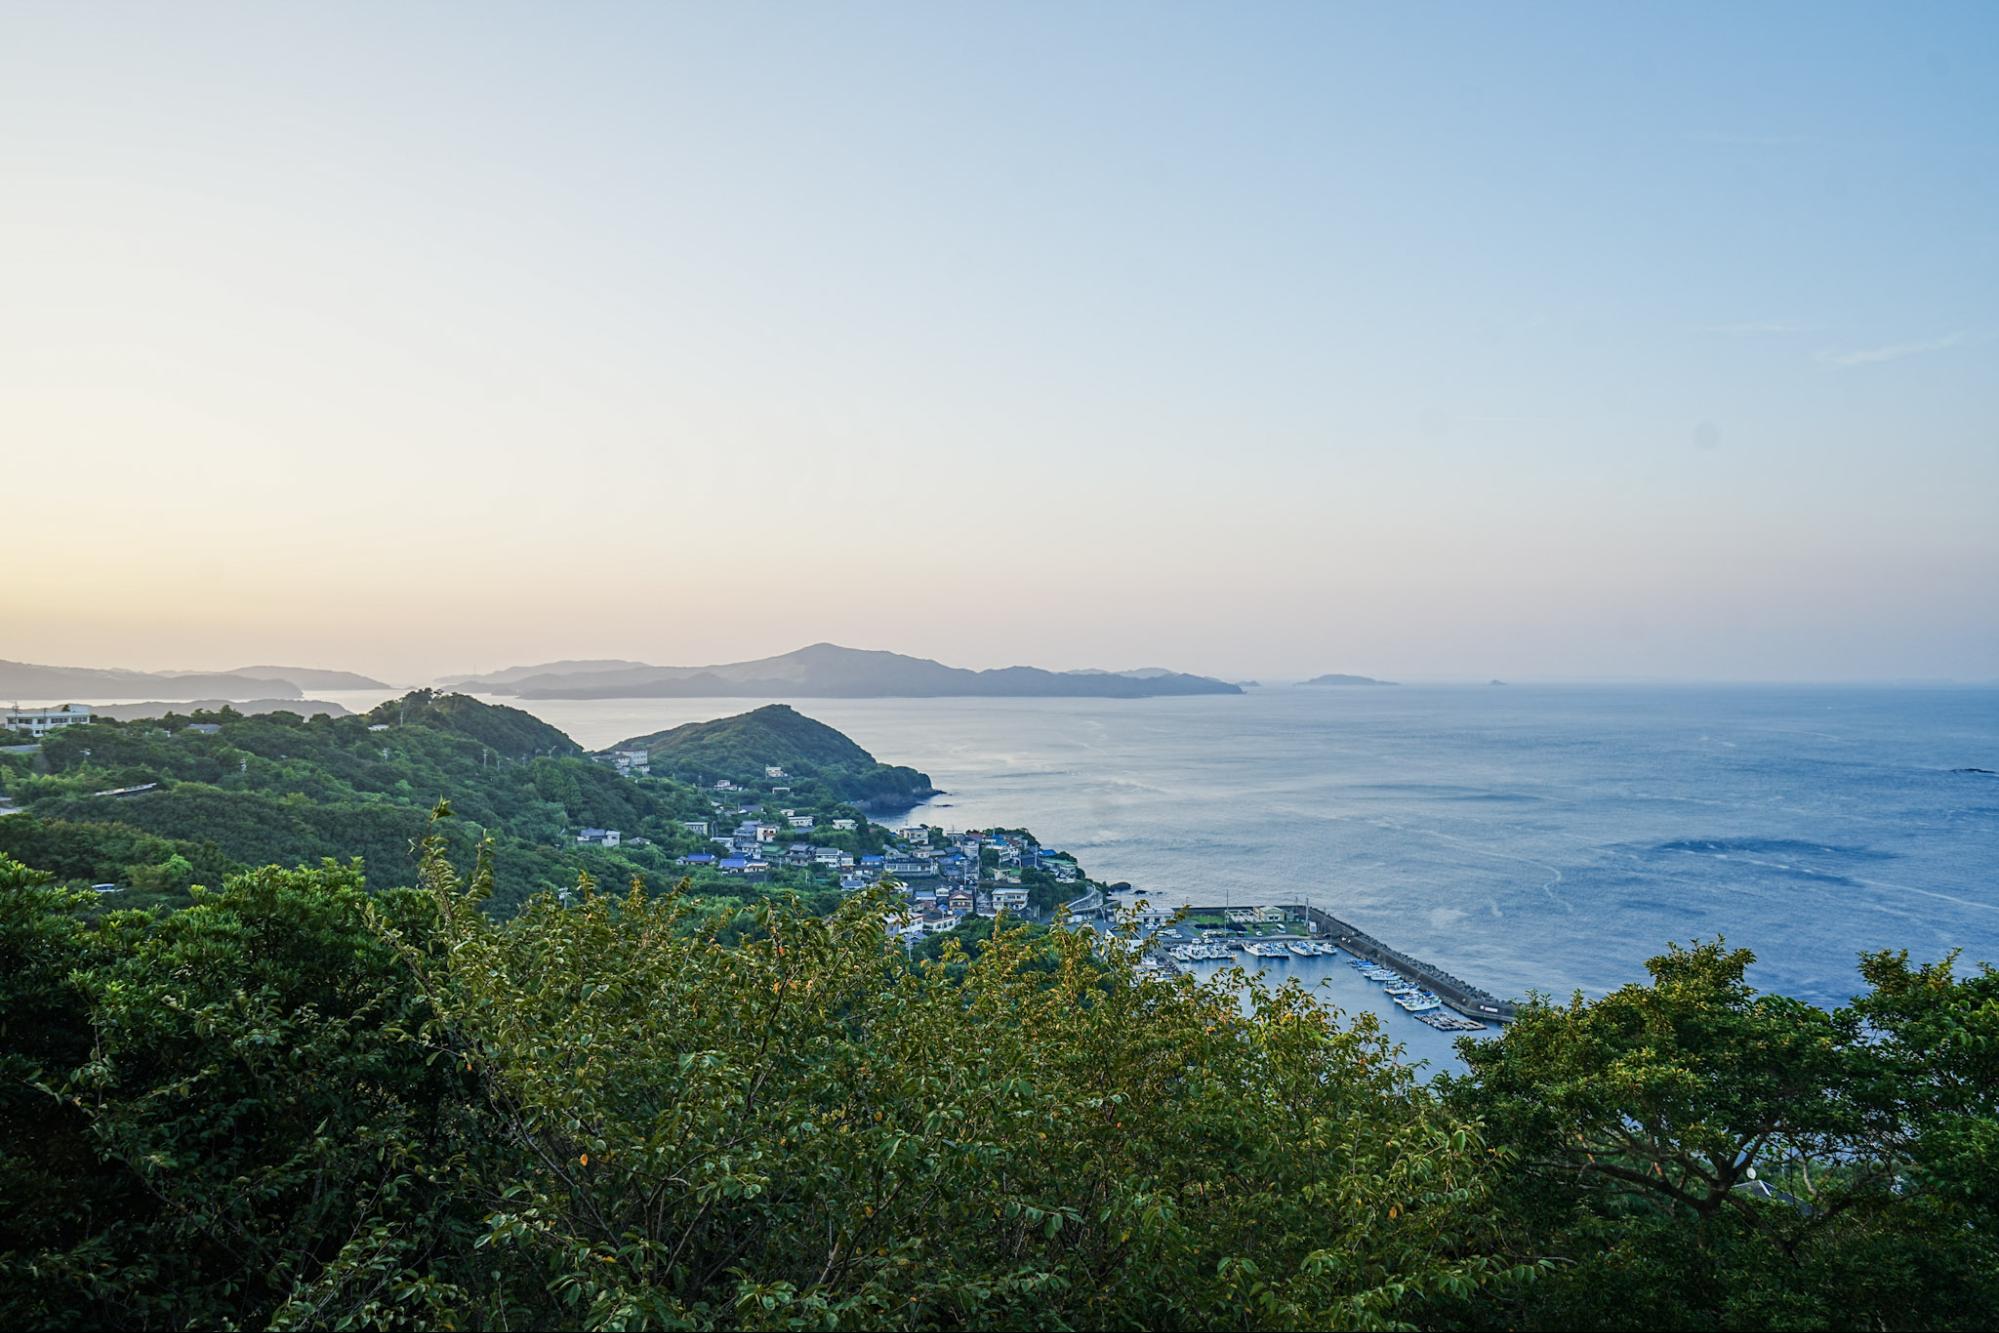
[(1335, 678)]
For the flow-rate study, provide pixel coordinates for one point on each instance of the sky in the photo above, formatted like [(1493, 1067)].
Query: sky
[(1528, 341)]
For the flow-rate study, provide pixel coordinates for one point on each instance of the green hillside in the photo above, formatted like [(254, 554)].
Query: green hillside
[(742, 747), (159, 804), (507, 731)]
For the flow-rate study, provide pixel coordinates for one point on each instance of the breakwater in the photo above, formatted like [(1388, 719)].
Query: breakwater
[(1469, 1000)]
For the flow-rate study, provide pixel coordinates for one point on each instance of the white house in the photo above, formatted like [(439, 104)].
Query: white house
[(844, 825), (41, 721), (1009, 900), (774, 770), (600, 837), (799, 821)]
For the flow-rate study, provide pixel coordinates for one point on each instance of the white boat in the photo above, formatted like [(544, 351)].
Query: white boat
[(1419, 1003), (1304, 951)]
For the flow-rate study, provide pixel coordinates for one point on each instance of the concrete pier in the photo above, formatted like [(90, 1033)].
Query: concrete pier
[(1459, 994)]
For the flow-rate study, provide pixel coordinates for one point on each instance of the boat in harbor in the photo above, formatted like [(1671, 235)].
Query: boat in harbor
[(1419, 1003), (1304, 950), (1444, 1021)]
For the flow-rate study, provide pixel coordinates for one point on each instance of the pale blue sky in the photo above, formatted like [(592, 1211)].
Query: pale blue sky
[(1527, 341)]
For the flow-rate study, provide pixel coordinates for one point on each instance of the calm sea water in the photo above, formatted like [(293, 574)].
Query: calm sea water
[(1523, 837)]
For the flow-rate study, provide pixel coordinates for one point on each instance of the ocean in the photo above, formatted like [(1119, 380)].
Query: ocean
[(1526, 838)]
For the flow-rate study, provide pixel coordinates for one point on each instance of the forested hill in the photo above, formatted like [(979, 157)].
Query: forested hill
[(506, 731), (743, 747), (156, 805)]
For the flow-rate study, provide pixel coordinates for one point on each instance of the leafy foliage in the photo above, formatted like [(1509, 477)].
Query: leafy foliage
[(1696, 1155), (299, 1103)]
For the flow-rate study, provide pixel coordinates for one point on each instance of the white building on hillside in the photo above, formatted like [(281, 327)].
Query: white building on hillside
[(40, 722)]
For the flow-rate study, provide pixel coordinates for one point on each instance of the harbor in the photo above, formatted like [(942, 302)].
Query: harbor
[(1223, 935)]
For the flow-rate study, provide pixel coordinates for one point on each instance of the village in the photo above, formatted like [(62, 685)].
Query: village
[(945, 876)]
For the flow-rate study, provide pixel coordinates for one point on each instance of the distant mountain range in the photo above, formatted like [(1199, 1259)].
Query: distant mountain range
[(247, 707), (488, 681), (1335, 678), (26, 680), (828, 671), (306, 678)]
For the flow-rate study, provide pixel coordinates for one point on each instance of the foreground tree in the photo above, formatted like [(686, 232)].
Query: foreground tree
[(805, 1130), (1691, 1154)]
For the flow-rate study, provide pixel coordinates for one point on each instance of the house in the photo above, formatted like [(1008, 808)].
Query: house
[(698, 827), (917, 835), (41, 721), (844, 825), (203, 728), (1010, 900), (766, 833), (774, 770), (854, 883), (799, 821), (723, 784), (632, 761), (910, 867), (695, 859), (872, 862), (599, 837), (831, 856), (961, 902), (734, 865)]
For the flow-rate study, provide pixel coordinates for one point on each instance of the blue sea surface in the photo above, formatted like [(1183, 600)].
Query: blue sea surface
[(1524, 837)]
